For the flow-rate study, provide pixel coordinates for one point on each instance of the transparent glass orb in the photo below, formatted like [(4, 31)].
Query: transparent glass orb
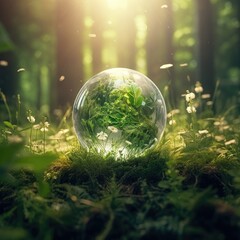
[(119, 112)]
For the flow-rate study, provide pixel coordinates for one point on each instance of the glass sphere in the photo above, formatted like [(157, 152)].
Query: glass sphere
[(119, 112)]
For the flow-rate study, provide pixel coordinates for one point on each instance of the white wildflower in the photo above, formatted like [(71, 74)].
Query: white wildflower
[(37, 126), (203, 132), (191, 109), (31, 119), (113, 129), (44, 129), (172, 122), (198, 87), (102, 136), (221, 124), (173, 112), (189, 96), (44, 126), (232, 141)]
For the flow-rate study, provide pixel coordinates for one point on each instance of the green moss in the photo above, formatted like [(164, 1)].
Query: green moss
[(188, 187)]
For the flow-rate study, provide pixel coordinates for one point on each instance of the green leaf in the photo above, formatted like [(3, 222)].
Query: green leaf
[(37, 163), (9, 152), (10, 157), (138, 92), (9, 125), (139, 101)]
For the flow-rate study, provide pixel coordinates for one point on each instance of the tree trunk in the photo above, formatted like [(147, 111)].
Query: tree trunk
[(169, 28), (159, 46), (69, 50), (205, 47), (8, 74)]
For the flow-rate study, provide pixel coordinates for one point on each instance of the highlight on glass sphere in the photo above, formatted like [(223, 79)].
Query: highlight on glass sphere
[(119, 112)]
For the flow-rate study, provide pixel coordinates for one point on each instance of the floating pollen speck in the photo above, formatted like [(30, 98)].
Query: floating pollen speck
[(206, 96), (183, 65), (164, 6), (21, 70), (62, 78), (166, 66), (3, 63), (92, 35)]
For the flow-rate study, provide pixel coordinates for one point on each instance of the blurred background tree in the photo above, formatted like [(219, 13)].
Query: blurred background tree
[(58, 45), (8, 65), (69, 33), (205, 45)]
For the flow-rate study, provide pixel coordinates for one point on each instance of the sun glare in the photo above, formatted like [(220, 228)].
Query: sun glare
[(117, 4)]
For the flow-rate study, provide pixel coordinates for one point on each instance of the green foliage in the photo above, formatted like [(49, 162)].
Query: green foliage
[(5, 42), (125, 108), (188, 187), (94, 172)]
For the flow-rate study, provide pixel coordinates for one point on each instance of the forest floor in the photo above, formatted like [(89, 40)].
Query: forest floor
[(187, 187)]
